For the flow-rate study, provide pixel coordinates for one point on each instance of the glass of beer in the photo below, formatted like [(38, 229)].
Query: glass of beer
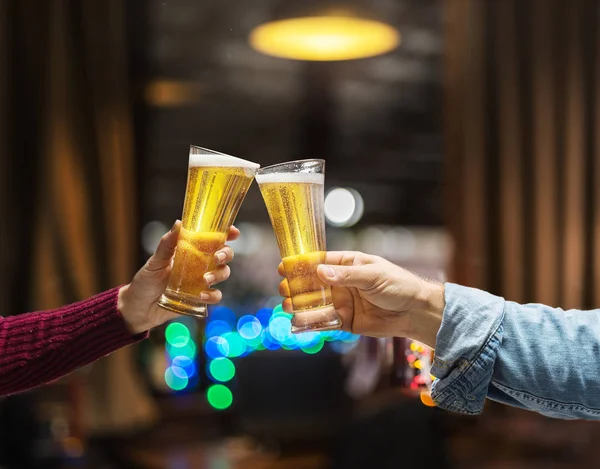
[(293, 194), (216, 187)]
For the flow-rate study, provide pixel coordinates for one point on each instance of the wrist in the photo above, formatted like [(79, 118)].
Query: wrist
[(427, 316), (135, 322)]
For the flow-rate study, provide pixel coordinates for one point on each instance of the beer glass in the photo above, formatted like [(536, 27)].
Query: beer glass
[(293, 195), (216, 187)]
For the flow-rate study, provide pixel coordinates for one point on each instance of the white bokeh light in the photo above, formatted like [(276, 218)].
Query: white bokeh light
[(343, 207), (151, 234), (251, 240)]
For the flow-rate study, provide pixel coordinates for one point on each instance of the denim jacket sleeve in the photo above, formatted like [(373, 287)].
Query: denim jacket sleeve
[(531, 356)]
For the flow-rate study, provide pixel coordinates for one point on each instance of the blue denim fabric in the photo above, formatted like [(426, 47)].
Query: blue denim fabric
[(531, 356)]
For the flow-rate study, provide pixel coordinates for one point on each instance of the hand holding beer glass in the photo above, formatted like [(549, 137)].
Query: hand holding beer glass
[(294, 197), (216, 187)]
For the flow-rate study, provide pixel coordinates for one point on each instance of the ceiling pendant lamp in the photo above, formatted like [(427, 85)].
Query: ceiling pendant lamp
[(324, 34)]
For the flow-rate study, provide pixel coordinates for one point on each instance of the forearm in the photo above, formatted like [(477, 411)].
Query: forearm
[(548, 361), (531, 356), (37, 348)]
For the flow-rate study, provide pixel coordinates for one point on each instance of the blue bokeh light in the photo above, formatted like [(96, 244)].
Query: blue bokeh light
[(264, 315), (216, 347), (307, 339), (179, 372), (249, 327), (343, 347), (217, 327), (280, 328), (222, 313), (331, 336), (186, 364), (269, 342), (182, 361), (229, 336), (346, 336)]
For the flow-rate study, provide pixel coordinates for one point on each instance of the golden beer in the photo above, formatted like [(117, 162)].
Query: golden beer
[(293, 195), (307, 291), (216, 187)]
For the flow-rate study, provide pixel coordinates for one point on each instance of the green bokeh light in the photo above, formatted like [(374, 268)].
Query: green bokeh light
[(219, 396), (175, 382), (313, 348), (261, 346), (254, 343), (222, 369), (237, 345), (187, 350), (177, 334)]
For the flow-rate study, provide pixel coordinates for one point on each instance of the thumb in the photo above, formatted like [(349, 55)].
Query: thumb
[(165, 249), (361, 276)]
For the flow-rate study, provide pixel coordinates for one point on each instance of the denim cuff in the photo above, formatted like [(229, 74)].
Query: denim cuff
[(466, 348)]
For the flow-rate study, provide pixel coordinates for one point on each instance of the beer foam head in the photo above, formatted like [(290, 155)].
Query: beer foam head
[(305, 178), (220, 160)]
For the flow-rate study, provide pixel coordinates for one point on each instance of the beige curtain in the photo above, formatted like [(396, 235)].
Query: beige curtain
[(523, 149), (74, 54)]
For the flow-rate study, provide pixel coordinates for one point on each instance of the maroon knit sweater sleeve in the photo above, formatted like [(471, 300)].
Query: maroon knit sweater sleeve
[(39, 347)]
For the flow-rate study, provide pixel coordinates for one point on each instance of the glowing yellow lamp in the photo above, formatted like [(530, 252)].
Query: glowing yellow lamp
[(324, 38)]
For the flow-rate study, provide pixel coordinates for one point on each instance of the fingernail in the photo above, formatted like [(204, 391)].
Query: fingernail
[(221, 256), (209, 278), (328, 271), (174, 225), (204, 296)]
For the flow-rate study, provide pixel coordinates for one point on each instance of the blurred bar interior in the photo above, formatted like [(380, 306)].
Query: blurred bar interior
[(461, 140)]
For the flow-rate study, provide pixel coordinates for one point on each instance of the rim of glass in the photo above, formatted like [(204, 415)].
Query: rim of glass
[(242, 162), (311, 166), (208, 150)]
